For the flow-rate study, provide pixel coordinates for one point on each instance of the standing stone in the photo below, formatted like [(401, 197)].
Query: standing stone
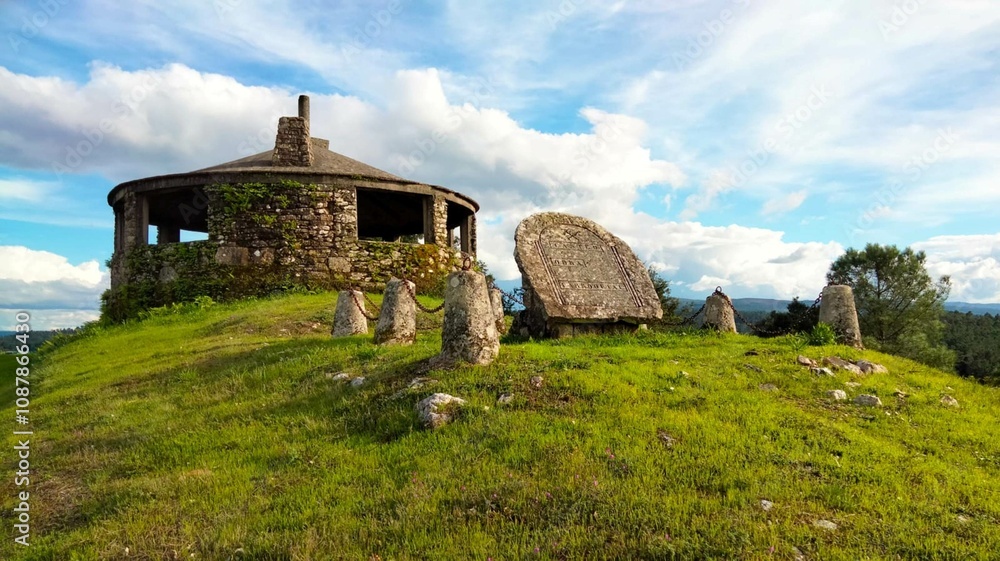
[(496, 302), (579, 278), (348, 319), (719, 313), (837, 309), (469, 333), (397, 322)]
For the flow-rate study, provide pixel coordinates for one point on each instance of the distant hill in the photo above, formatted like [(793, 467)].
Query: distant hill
[(769, 305), (35, 339), (978, 309)]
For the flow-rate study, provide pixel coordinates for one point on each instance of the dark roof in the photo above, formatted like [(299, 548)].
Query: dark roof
[(324, 162)]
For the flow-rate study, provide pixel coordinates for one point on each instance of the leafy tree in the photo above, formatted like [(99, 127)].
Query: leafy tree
[(662, 287), (976, 341), (899, 305), (800, 317)]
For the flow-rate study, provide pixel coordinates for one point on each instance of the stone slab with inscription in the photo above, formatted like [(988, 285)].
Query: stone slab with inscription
[(579, 278)]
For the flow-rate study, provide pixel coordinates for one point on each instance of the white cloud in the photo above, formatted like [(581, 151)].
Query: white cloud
[(972, 262), (49, 286), (26, 190), (784, 203)]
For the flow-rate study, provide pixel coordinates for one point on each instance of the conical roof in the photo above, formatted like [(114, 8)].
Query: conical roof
[(324, 162)]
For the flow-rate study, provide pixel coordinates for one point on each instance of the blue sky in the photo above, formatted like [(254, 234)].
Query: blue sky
[(730, 142)]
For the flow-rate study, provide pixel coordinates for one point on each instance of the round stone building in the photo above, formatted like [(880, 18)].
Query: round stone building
[(295, 216)]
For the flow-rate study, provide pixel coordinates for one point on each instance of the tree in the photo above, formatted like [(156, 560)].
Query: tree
[(799, 318), (900, 307), (662, 287)]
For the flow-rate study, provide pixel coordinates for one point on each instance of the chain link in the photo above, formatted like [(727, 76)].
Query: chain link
[(413, 295), (361, 307)]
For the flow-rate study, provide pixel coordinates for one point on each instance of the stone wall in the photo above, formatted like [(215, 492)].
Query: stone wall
[(267, 237)]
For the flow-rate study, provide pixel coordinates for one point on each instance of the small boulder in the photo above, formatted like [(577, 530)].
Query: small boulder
[(820, 371), (837, 395), (805, 361), (358, 382), (868, 400), (949, 401), (825, 524), (438, 409), (339, 377), (766, 505), (840, 364), (871, 367), (537, 381), (505, 398), (665, 438)]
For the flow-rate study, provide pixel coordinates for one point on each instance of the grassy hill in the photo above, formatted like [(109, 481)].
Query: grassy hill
[(220, 434)]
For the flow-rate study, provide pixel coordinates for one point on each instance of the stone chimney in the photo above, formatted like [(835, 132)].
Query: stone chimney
[(292, 146)]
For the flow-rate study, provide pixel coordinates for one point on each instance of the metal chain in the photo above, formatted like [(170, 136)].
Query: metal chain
[(413, 295), (360, 306)]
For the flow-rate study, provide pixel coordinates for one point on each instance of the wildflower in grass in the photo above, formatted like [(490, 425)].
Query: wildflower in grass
[(537, 550), (548, 495)]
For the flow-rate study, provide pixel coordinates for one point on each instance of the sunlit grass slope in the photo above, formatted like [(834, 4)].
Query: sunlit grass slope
[(218, 434)]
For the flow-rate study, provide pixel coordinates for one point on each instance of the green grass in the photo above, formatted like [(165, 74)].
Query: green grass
[(218, 433)]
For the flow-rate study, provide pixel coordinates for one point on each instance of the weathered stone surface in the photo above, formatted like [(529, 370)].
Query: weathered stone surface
[(339, 376), (839, 311), (871, 367), (578, 277), (438, 409), (868, 400), (505, 398), (397, 321), (837, 395), (825, 524), (821, 371), (949, 401), (719, 314), (841, 364), (496, 302), (469, 333), (358, 382), (805, 361), (348, 319), (234, 256), (536, 382), (766, 505)]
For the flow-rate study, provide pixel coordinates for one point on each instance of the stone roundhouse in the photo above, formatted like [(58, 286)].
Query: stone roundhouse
[(297, 215)]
